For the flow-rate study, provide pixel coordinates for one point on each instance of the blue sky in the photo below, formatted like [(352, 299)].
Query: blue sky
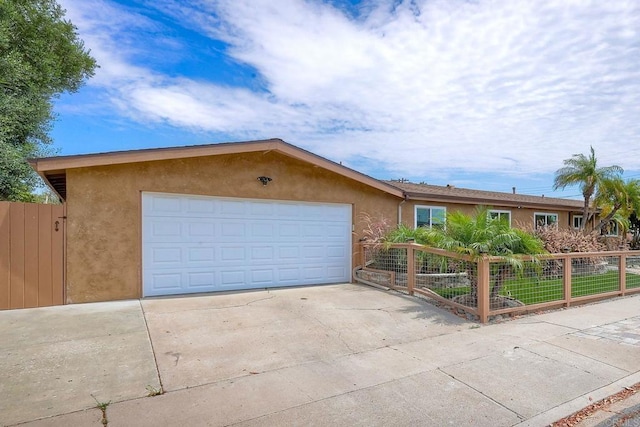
[(486, 94)]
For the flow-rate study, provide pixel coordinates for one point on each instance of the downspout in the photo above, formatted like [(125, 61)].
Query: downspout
[(400, 208)]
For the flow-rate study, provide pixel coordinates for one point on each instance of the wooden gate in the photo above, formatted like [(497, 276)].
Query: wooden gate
[(31, 255)]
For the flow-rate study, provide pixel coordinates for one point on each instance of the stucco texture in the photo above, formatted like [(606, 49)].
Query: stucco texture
[(104, 208)]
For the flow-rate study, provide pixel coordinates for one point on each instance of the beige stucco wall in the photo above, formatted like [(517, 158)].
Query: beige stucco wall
[(519, 216), (104, 209)]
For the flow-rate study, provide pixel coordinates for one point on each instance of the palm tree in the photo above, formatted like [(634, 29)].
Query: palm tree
[(481, 234), (584, 171), (618, 198)]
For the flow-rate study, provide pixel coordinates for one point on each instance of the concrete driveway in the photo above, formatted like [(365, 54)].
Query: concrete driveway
[(341, 355)]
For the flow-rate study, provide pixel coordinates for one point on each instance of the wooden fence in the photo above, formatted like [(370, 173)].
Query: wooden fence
[(31, 255), (486, 287)]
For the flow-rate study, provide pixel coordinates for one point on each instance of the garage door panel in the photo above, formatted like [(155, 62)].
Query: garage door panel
[(262, 210), (235, 209), (288, 211), (336, 272), (312, 212), (166, 281), (289, 231), (264, 276), (232, 278), (288, 252), (165, 230), (336, 232), (338, 252), (201, 254), (202, 244), (200, 279), (263, 230), (289, 275), (199, 206), (233, 253), (312, 252), (165, 205), (312, 273), (262, 253), (173, 255), (236, 230), (204, 230), (168, 255), (313, 231)]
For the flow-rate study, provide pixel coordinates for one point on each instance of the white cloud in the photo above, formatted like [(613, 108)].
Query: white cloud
[(418, 88)]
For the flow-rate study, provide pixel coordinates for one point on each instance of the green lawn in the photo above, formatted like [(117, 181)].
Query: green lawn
[(531, 290)]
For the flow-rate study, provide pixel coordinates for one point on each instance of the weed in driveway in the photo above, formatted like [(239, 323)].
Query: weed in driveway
[(103, 407), (154, 391)]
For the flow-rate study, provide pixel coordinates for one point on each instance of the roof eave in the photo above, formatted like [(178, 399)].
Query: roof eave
[(45, 165), (488, 202)]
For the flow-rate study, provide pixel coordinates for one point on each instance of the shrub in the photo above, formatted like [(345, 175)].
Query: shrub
[(559, 240), (376, 228)]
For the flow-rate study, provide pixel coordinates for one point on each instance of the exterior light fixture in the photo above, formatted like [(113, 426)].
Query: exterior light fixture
[(264, 180)]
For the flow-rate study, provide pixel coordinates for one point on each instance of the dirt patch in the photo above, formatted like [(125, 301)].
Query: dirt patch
[(496, 303), (602, 405)]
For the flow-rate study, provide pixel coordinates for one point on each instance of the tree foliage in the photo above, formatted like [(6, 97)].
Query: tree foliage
[(482, 234), (478, 235), (618, 199), (41, 57), (584, 171)]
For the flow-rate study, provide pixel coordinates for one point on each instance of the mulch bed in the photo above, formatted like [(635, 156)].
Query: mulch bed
[(603, 404)]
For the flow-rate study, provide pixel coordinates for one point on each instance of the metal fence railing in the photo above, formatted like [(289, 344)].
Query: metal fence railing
[(486, 286)]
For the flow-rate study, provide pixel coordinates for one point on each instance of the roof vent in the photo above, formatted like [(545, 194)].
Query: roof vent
[(514, 190), (451, 186)]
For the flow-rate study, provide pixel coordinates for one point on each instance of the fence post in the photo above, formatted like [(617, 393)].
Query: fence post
[(411, 269), (483, 289), (566, 280), (622, 271)]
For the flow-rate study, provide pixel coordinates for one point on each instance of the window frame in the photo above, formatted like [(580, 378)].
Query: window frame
[(499, 213), (573, 221), (431, 208), (546, 214)]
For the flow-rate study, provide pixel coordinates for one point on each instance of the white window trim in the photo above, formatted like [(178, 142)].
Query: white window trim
[(535, 223), (573, 221), (415, 213), (501, 211)]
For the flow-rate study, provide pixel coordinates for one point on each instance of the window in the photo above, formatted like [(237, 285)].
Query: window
[(577, 221), (610, 229), (502, 215), (543, 219), (430, 216)]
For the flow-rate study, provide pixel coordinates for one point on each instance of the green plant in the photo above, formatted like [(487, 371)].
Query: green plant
[(103, 407), (585, 172), (154, 391), (481, 234), (618, 200)]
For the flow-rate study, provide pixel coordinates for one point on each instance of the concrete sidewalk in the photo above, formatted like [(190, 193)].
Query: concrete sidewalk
[(341, 355)]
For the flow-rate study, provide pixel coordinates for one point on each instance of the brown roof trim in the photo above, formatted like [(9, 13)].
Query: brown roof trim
[(450, 194), (48, 167)]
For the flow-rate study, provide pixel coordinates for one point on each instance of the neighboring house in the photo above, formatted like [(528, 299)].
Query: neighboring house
[(234, 216), (427, 205)]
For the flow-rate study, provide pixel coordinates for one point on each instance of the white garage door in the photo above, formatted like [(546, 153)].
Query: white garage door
[(203, 244)]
